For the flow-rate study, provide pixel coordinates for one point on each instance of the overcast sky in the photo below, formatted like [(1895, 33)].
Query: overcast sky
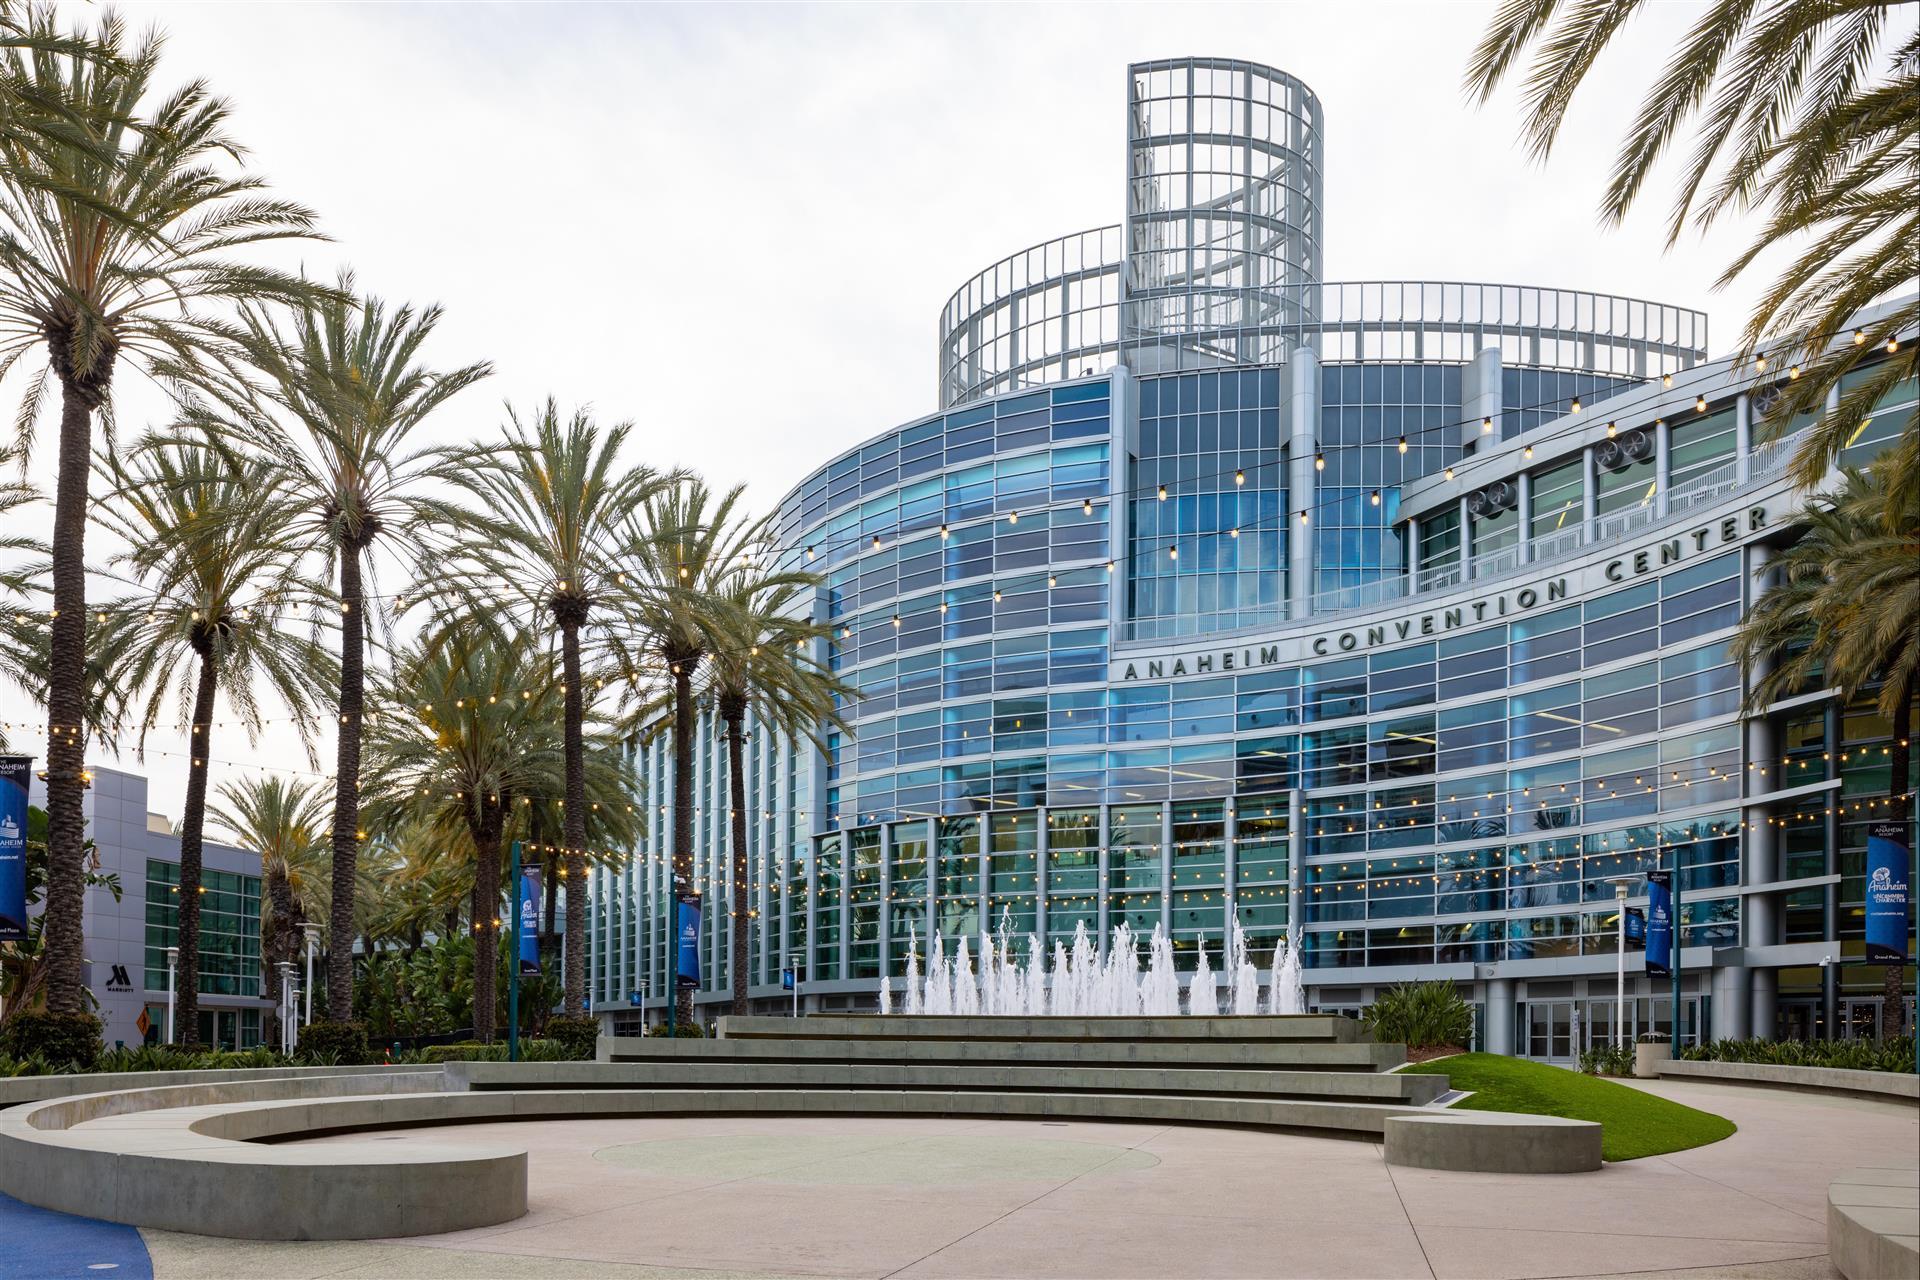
[(736, 224)]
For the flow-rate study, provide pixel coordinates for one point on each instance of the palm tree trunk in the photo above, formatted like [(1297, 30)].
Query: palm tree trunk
[(346, 786), (64, 935), (193, 821), (550, 891), (1893, 998), (573, 818), (682, 818), (733, 711), (280, 940), (486, 919)]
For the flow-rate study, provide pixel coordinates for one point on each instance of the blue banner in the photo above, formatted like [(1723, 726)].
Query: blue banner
[(1887, 893), (14, 772), (529, 921), (1636, 925), (688, 963), (1660, 932)]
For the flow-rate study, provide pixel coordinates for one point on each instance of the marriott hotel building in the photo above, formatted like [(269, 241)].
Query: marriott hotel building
[(1214, 593)]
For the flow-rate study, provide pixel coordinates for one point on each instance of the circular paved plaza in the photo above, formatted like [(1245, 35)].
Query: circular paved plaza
[(870, 1198)]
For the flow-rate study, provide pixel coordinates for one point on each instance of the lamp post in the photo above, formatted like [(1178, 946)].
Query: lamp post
[(793, 963), (1620, 970), (173, 960), (313, 944), (286, 1006)]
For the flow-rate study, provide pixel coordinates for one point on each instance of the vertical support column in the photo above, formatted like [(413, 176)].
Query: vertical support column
[(1166, 866), (1296, 874), (1523, 516), (1742, 439), (1123, 444), (1303, 434), (1040, 822), (1230, 882), (1101, 904), (1589, 496), (1662, 468), (1466, 542), (1480, 400), (782, 857), (933, 882), (883, 918), (1761, 911), (1499, 1020), (985, 865), (846, 907), (1829, 864)]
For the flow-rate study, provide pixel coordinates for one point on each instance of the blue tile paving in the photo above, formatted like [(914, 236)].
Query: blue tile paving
[(40, 1244)]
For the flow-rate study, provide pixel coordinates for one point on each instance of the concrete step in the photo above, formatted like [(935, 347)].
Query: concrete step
[(1349, 1086), (1341, 1056), (1260, 1028)]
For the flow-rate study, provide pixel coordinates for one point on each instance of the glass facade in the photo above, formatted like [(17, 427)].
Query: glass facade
[(1108, 674), (229, 930)]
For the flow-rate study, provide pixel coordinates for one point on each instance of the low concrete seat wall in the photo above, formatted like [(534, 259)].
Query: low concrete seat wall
[(1492, 1142), (1893, 1086), (19, 1090), (174, 1158), (1263, 1027), (1278, 1055), (1873, 1223), (1348, 1086)]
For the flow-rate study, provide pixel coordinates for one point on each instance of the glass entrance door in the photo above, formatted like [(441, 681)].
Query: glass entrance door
[(1550, 1030)]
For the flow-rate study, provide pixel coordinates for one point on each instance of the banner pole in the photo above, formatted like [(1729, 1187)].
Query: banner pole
[(513, 966), (1674, 935)]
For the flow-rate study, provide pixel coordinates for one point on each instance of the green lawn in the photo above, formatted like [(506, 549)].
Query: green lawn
[(1633, 1124)]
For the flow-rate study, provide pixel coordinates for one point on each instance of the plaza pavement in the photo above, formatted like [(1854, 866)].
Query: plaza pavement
[(744, 1197)]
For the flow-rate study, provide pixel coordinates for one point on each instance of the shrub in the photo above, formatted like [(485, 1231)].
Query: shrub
[(333, 1044), (64, 1041), (531, 1050), (579, 1036), (1607, 1060), (1848, 1055), (685, 1031), (1420, 1015)]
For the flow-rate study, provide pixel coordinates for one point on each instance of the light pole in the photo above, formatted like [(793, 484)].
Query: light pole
[(793, 963), (313, 944), (286, 1006), (1620, 970), (173, 959)]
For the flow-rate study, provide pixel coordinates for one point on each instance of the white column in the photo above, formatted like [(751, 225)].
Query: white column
[(1662, 468), (1742, 439), (1589, 496), (1303, 424), (1524, 514)]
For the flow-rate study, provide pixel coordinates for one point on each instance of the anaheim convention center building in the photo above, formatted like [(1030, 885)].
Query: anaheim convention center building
[(1396, 612)]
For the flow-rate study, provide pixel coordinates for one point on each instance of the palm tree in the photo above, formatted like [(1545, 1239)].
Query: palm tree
[(680, 560), (550, 510), (207, 536), (1801, 113), (116, 225), (285, 823), (334, 395), (467, 739), (1844, 611), (761, 667)]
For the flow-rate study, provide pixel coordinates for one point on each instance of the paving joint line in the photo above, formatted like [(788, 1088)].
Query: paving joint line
[(966, 1235), (1407, 1213)]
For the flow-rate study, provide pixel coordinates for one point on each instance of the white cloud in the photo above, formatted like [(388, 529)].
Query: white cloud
[(736, 224)]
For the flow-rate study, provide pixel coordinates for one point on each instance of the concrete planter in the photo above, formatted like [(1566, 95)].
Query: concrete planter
[(1647, 1059)]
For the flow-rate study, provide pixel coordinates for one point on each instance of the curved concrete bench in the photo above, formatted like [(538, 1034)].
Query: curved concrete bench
[(182, 1158), (1888, 1086), (1873, 1223), (1493, 1142), (20, 1090)]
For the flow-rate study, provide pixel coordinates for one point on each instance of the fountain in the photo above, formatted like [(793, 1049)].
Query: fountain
[(1203, 998), (1082, 982)]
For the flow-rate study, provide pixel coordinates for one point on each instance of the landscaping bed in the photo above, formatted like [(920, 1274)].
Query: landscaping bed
[(1633, 1123)]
